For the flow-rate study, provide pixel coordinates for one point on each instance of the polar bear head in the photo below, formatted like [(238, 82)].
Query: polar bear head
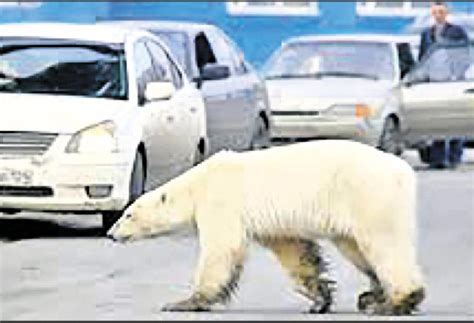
[(164, 210)]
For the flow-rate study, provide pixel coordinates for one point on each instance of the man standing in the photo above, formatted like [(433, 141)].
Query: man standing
[(442, 153)]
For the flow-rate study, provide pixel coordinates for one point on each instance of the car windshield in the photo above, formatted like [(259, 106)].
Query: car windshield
[(178, 44), (60, 67), (445, 63), (369, 60)]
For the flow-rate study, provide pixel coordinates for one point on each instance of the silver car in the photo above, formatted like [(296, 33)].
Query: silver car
[(438, 95), (235, 96), (339, 86)]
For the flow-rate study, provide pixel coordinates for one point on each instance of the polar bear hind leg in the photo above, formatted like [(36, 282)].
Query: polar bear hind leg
[(304, 262), (398, 274)]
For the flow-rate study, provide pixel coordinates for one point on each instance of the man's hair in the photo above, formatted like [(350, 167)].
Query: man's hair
[(439, 3)]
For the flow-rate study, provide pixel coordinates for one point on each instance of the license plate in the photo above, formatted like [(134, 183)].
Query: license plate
[(16, 177)]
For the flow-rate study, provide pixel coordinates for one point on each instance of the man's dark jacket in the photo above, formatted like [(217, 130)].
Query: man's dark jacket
[(450, 33)]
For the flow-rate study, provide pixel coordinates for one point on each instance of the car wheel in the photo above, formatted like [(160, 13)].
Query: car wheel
[(260, 136), (390, 140), (425, 154), (198, 156), (137, 187)]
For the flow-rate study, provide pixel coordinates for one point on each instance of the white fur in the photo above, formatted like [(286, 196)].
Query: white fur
[(325, 189)]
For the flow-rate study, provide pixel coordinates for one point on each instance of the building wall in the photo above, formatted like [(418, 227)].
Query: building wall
[(258, 35)]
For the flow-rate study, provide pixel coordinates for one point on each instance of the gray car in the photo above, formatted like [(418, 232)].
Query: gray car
[(236, 101), (339, 86)]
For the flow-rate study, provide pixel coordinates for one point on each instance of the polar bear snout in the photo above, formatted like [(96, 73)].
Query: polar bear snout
[(117, 238), (117, 232)]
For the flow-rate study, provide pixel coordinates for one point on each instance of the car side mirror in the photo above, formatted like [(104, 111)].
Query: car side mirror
[(157, 91), (214, 72)]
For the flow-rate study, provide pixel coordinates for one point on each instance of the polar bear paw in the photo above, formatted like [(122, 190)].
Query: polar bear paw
[(324, 299), (192, 304), (320, 306), (369, 300), (373, 303)]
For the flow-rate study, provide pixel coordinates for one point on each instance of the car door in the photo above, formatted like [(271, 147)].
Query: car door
[(239, 108), (252, 93), (185, 106), (216, 93), (438, 95), (161, 121)]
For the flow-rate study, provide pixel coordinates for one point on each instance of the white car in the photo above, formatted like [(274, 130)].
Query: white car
[(91, 116), (338, 86), (237, 108)]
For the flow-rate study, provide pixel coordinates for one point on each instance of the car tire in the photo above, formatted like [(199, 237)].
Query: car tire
[(260, 135), (390, 140), (425, 154), (137, 187), (199, 156)]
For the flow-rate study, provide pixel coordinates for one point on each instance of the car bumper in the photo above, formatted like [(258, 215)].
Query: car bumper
[(61, 184), (317, 127)]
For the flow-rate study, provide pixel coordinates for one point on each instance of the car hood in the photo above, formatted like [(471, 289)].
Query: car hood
[(55, 113), (309, 94)]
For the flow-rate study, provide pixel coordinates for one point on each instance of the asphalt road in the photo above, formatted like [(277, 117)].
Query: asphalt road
[(57, 267)]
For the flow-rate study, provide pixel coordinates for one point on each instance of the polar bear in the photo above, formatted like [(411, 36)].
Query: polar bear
[(286, 198)]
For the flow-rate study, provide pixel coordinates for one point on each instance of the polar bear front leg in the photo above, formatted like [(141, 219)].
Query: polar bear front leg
[(305, 264), (216, 280), (222, 254)]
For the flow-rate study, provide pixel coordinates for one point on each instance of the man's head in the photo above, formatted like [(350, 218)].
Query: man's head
[(439, 11)]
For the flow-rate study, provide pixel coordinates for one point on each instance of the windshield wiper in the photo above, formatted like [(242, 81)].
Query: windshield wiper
[(6, 76), (348, 74), (322, 75), (293, 76)]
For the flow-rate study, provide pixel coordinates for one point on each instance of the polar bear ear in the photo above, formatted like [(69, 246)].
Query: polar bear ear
[(163, 198)]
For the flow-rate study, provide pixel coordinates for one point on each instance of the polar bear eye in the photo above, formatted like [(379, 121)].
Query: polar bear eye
[(163, 198)]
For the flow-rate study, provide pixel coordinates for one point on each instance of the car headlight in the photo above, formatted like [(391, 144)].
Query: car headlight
[(352, 110), (97, 138)]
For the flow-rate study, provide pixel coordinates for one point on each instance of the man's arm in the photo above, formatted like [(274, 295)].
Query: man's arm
[(458, 34), (423, 45)]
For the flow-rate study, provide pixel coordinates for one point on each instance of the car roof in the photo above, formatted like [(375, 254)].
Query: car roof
[(169, 25), (68, 31), (383, 38)]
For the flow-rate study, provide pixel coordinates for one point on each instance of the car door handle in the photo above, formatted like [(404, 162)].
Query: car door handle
[(469, 91), (170, 118), (193, 109)]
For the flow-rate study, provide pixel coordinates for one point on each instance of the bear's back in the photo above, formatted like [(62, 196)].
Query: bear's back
[(327, 154), (300, 168)]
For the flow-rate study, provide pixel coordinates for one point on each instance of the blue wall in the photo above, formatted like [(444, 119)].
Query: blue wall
[(257, 35)]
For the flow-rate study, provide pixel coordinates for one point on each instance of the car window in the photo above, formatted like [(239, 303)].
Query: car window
[(204, 53), (160, 61), (238, 56), (144, 69), (445, 63), (178, 44), (308, 59), (164, 66), (405, 58), (222, 50), (176, 75), (62, 67)]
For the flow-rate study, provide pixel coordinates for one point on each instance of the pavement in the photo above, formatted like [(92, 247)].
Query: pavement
[(57, 267)]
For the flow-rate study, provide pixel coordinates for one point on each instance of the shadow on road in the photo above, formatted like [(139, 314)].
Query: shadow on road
[(23, 229)]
